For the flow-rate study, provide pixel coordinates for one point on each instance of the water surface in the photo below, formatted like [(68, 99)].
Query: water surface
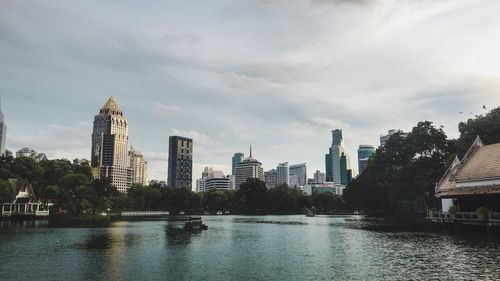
[(241, 248)]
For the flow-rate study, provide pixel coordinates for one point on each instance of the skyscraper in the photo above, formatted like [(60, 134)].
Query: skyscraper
[(109, 158), (364, 153), (139, 167), (300, 170), (237, 158), (248, 168), (270, 178), (319, 177), (384, 139), (3, 132), (283, 174), (332, 159), (180, 162), (345, 171)]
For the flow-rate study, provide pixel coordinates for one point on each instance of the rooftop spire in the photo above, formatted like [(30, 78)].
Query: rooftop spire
[(250, 151), (111, 107)]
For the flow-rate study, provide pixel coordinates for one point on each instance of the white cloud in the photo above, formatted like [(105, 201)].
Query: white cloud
[(279, 75), (167, 110)]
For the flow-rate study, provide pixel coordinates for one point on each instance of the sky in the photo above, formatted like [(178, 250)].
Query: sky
[(279, 75)]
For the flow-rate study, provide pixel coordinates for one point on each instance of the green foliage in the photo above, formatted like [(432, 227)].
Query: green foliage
[(5, 191), (251, 195), (486, 126), (283, 199), (401, 176)]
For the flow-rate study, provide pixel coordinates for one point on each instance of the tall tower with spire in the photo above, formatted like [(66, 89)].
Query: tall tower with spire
[(248, 168), (3, 132), (109, 158)]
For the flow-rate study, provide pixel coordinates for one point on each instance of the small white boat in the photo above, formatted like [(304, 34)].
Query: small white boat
[(219, 212)]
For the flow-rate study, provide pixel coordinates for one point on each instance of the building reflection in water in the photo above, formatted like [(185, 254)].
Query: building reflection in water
[(108, 247)]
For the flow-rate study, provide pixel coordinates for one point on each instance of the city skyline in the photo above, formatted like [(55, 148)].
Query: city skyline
[(404, 68)]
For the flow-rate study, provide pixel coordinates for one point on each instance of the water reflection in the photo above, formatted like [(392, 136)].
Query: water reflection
[(245, 248), (98, 242), (176, 235)]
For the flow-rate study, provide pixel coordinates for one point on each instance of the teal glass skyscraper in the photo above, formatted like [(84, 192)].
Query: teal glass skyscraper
[(364, 153), (237, 158), (332, 159)]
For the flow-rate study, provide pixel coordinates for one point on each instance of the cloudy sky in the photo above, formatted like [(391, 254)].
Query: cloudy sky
[(279, 75)]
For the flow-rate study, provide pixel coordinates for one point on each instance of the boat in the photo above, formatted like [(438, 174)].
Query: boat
[(181, 213), (310, 214), (194, 224), (219, 212)]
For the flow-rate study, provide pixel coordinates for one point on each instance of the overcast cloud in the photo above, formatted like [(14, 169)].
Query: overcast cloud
[(275, 74)]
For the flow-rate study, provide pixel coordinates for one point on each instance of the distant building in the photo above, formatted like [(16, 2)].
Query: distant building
[(294, 181), (237, 158), (385, 138), (326, 187), (213, 180), (283, 174), (364, 153), (180, 162), (248, 168), (345, 171), (139, 167), (223, 183), (3, 133), (208, 172), (158, 182), (334, 171), (319, 177), (109, 155), (200, 184), (300, 170), (270, 178), (30, 153), (80, 161)]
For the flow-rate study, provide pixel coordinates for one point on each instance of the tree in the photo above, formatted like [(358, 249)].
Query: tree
[(216, 200), (252, 194), (485, 126), (6, 195), (401, 176)]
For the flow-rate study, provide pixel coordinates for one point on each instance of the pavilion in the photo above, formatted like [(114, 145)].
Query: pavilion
[(474, 181)]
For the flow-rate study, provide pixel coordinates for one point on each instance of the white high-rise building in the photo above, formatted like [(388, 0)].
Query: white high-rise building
[(109, 156), (211, 179), (139, 167), (283, 174), (319, 177), (248, 168), (200, 184)]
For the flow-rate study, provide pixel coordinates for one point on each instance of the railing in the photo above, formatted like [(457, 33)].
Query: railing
[(144, 213), (438, 216), (26, 213)]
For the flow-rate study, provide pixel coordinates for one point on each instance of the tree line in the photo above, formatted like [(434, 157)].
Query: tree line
[(71, 189), (401, 176)]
